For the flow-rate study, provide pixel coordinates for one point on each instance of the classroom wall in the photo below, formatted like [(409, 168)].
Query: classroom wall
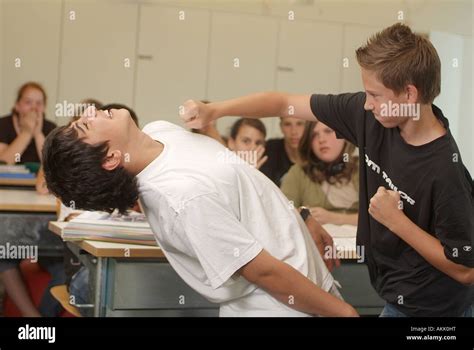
[(154, 54), (31, 42)]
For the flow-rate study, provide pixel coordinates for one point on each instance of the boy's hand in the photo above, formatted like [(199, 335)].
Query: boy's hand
[(196, 114), (385, 207), (322, 215), (323, 242)]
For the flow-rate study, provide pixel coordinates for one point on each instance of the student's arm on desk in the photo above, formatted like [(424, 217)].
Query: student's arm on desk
[(287, 284)]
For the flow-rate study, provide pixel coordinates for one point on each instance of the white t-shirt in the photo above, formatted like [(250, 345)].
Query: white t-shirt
[(212, 213)]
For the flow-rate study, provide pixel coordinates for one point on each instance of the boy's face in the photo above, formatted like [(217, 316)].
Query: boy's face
[(96, 126), (292, 129), (379, 99)]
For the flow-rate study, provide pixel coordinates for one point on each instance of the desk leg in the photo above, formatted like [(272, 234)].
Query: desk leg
[(100, 287)]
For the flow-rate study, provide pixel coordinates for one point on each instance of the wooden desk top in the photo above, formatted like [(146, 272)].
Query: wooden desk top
[(110, 249), (120, 250), (28, 201), (17, 182)]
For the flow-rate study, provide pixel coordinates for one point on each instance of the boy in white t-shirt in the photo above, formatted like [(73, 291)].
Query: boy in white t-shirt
[(224, 227)]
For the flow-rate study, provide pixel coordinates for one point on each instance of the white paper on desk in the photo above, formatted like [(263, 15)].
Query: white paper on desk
[(344, 236), (341, 231)]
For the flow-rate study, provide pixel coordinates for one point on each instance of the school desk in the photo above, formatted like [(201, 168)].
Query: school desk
[(134, 280), (24, 217), (17, 182)]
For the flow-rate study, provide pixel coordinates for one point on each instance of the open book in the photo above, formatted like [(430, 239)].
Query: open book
[(100, 226)]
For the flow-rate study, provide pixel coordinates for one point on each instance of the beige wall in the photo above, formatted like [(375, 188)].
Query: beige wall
[(171, 60)]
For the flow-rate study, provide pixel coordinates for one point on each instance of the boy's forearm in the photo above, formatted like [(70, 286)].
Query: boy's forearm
[(263, 104), (431, 249), (296, 291)]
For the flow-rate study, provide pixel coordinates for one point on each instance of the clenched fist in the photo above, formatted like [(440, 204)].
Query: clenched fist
[(385, 207), (196, 114)]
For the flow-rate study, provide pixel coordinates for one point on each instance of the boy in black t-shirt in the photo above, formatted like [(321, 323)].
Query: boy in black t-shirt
[(416, 219)]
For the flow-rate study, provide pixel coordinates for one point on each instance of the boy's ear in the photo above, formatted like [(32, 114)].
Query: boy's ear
[(112, 160), (412, 93)]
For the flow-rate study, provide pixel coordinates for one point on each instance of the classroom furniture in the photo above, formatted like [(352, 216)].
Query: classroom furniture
[(17, 182), (134, 280), (15, 200), (61, 294), (24, 216)]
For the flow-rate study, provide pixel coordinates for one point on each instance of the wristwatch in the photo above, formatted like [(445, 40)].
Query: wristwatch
[(304, 212)]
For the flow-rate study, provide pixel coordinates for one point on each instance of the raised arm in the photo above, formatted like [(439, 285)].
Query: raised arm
[(196, 114), (293, 289)]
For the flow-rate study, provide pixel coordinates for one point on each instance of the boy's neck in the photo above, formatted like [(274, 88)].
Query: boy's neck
[(142, 152), (292, 153), (424, 130)]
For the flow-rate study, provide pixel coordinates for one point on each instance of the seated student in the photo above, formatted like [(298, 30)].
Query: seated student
[(224, 227), (22, 134), (327, 181), (283, 153), (247, 140)]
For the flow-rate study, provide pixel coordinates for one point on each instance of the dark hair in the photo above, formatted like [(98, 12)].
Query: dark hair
[(74, 173), (120, 106), (254, 123), (400, 57), (319, 171)]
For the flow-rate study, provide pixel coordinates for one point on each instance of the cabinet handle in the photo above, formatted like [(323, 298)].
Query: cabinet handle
[(285, 69), (145, 57)]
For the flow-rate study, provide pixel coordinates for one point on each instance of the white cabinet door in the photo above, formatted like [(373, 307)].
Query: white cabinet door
[(98, 52), (242, 58), (309, 57), (172, 60), (355, 36), (30, 49)]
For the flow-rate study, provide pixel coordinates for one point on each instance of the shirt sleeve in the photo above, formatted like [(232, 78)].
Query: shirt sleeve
[(454, 226), (344, 113), (290, 186), (220, 241)]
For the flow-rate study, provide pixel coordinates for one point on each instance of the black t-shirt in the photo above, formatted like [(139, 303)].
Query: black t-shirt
[(437, 195), (278, 163), (8, 135)]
